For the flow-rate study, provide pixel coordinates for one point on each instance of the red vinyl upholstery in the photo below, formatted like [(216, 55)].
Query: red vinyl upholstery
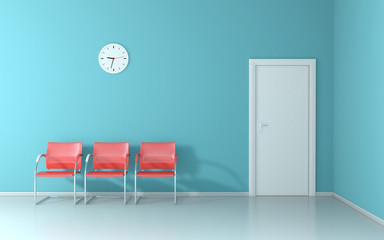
[(106, 174), (56, 174), (110, 155), (60, 155), (63, 155), (156, 174), (157, 155)]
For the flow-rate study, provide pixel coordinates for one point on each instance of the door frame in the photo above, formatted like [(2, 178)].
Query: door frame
[(311, 63)]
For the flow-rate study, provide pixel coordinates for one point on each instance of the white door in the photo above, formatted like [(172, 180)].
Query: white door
[(282, 129)]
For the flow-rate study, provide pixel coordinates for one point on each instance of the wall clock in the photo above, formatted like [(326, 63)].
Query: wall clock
[(113, 58)]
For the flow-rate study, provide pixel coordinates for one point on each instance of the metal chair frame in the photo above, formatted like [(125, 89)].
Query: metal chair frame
[(74, 181), (174, 179), (85, 180)]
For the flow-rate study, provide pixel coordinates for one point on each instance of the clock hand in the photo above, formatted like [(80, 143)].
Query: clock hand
[(119, 57), (110, 58), (112, 62)]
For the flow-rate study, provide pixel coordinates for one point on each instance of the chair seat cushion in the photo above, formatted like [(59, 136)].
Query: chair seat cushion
[(155, 174), (56, 174), (105, 174)]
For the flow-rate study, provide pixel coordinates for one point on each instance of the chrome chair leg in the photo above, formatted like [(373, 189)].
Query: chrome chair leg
[(74, 189), (174, 190), (85, 188), (34, 188), (125, 188), (42, 200), (174, 201), (135, 190)]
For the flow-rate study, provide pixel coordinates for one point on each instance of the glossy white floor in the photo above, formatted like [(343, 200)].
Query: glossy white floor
[(192, 218)]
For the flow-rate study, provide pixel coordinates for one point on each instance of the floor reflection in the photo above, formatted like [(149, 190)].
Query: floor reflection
[(262, 218)]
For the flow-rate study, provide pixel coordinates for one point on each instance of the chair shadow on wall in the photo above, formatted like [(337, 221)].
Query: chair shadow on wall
[(189, 166), (191, 182), (188, 169)]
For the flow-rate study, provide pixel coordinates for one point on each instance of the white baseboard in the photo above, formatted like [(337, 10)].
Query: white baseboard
[(80, 194), (207, 194), (16, 194), (359, 209), (324, 194)]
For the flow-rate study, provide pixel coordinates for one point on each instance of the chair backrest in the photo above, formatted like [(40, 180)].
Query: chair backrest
[(63, 155), (157, 155), (110, 155)]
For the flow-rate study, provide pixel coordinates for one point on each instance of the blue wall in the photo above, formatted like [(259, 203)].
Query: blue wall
[(187, 81), (358, 103)]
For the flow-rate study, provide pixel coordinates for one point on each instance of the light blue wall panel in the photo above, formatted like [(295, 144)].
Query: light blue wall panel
[(358, 103), (187, 81)]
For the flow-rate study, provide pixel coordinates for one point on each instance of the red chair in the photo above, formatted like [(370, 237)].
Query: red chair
[(155, 157), (108, 156), (65, 156)]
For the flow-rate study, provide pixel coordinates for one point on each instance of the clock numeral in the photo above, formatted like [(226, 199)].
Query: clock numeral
[(113, 69), (103, 52), (107, 48), (123, 63), (119, 68), (125, 58), (101, 58), (103, 64), (107, 68), (113, 47), (118, 49), (123, 52)]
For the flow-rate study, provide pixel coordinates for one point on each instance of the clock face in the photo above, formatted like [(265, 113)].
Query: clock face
[(113, 58)]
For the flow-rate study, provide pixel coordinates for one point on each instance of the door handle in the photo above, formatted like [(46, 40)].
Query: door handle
[(261, 125)]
